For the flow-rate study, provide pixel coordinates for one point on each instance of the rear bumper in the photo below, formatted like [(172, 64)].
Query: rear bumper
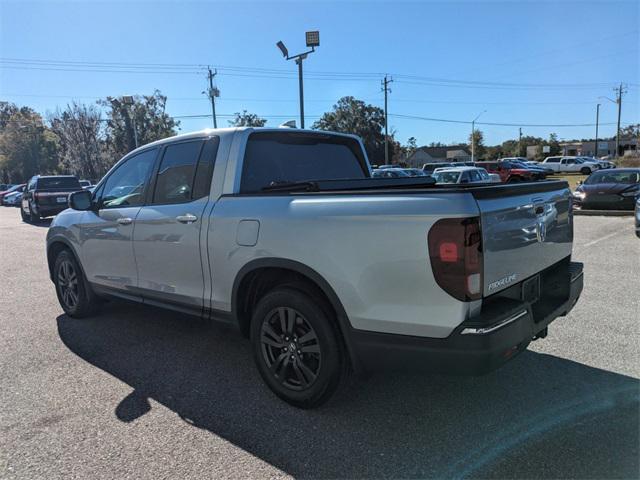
[(500, 332), (50, 210)]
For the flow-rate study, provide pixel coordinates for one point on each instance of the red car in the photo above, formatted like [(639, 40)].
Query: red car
[(15, 188), (509, 173)]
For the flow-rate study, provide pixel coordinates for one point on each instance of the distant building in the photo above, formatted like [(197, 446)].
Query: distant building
[(605, 147), (453, 153)]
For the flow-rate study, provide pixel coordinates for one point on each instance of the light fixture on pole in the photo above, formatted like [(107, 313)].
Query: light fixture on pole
[(473, 140), (129, 101), (313, 41)]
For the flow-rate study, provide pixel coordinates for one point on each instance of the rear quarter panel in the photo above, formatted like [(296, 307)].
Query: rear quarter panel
[(371, 249)]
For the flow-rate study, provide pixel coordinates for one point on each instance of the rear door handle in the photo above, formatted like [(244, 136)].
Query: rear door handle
[(186, 218), (125, 221)]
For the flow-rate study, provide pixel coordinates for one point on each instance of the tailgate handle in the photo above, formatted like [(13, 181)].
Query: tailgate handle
[(539, 210)]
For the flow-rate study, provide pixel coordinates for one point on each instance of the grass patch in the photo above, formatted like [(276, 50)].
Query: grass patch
[(571, 178)]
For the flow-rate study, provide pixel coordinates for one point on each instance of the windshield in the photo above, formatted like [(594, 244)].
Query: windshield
[(58, 182), (446, 177), (613, 177)]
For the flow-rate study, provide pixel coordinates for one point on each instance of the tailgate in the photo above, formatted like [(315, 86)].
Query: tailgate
[(524, 230), (52, 197)]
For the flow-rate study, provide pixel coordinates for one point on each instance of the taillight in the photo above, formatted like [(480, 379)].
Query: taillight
[(455, 249)]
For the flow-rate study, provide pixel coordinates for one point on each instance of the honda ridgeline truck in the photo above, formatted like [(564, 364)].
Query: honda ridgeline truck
[(326, 270)]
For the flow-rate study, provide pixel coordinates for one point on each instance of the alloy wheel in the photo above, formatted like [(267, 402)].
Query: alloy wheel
[(68, 284), (290, 348)]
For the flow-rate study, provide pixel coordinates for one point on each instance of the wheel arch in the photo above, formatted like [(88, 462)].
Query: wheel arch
[(54, 247), (279, 271)]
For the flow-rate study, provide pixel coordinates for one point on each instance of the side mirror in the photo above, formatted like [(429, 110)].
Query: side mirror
[(80, 200)]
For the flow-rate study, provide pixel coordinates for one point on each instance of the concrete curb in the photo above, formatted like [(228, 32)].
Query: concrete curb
[(604, 213)]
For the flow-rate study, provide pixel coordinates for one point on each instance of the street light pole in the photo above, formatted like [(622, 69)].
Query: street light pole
[(313, 41), (473, 135), (301, 89)]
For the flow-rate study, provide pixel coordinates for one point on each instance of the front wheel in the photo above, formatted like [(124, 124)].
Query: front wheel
[(296, 348), (25, 217), (585, 171), (74, 292)]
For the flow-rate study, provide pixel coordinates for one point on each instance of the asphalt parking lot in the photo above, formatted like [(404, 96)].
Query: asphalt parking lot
[(136, 392)]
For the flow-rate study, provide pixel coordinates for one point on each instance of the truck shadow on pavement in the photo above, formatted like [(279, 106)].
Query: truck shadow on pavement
[(538, 416)]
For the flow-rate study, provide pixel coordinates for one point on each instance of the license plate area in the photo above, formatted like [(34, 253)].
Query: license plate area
[(531, 289)]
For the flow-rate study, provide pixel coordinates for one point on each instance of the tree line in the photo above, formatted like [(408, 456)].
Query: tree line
[(87, 139)]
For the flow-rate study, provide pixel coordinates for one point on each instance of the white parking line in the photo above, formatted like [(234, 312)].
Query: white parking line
[(598, 240)]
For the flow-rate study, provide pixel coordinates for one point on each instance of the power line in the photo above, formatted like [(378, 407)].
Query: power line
[(256, 72), (497, 124)]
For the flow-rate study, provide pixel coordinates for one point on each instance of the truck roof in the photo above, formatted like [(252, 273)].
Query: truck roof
[(232, 130)]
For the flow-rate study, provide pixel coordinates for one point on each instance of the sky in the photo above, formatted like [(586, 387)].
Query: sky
[(514, 62)]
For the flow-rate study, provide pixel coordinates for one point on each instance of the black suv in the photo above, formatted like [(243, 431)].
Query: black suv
[(47, 196)]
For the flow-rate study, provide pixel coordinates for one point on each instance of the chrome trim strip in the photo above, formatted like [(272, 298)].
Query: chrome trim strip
[(495, 326)]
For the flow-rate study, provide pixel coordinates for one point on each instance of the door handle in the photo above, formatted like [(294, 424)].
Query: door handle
[(186, 218), (125, 221)]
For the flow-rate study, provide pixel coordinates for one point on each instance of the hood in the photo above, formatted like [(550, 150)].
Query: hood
[(607, 188)]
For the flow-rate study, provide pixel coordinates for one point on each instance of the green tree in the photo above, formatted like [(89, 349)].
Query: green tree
[(79, 129), (354, 116), (147, 115), (27, 146), (411, 146), (476, 141), (554, 144), (246, 119), (630, 131)]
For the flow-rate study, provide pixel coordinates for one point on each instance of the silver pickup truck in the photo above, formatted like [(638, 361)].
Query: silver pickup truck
[(285, 234)]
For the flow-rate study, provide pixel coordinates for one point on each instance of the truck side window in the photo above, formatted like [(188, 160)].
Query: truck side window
[(174, 180), (126, 186), (204, 170), (282, 157)]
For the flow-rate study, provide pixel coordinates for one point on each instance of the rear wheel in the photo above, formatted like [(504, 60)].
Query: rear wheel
[(296, 348), (585, 171), (74, 292), (33, 217)]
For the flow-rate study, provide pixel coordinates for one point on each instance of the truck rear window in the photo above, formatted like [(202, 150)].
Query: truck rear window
[(278, 157), (59, 182)]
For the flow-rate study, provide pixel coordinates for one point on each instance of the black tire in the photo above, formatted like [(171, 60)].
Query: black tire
[(74, 292), (25, 217), (296, 348), (585, 171)]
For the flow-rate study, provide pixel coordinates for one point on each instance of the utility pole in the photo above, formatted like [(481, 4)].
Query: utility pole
[(595, 150), (520, 142), (213, 93), (619, 93), (387, 90)]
